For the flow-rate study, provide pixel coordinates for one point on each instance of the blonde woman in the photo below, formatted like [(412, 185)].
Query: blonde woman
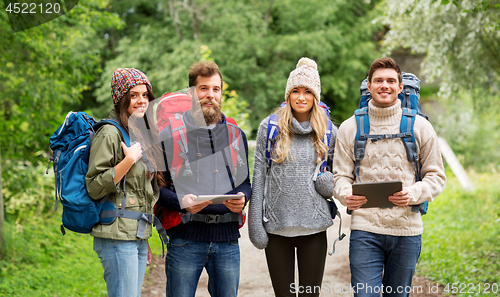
[(288, 213)]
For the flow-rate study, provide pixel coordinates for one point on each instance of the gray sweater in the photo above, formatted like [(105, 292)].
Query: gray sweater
[(293, 204)]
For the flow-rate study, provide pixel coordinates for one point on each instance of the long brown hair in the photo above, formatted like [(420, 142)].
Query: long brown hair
[(154, 153)]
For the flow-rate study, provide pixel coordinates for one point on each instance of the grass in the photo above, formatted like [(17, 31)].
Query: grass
[(461, 241), (40, 261)]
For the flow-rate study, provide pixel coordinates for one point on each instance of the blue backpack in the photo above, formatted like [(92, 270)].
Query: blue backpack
[(410, 103), (272, 133), (70, 144)]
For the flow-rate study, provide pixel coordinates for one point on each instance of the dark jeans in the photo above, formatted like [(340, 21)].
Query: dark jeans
[(382, 263), (186, 259), (311, 256)]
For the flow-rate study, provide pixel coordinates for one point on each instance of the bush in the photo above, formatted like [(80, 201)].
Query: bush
[(27, 190)]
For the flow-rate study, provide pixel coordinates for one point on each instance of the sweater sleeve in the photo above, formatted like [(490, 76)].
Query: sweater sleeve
[(257, 232), (432, 171), (343, 162)]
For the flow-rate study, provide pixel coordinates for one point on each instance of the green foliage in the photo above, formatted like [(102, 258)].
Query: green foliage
[(461, 41), (461, 242), (460, 38), (41, 69), (41, 262), (44, 67), (235, 108), (255, 43), (28, 192)]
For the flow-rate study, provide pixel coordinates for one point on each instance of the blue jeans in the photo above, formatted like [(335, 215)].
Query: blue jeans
[(186, 259), (383, 263), (124, 263)]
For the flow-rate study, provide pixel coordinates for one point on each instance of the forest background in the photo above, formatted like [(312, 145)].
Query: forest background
[(66, 65)]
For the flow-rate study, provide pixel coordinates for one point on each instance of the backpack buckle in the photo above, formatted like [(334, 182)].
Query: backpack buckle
[(212, 219)]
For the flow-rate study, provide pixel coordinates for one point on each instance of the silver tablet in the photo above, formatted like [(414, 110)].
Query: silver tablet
[(377, 193), (218, 199)]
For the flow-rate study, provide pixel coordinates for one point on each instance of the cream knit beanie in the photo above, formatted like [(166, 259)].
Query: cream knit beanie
[(305, 75)]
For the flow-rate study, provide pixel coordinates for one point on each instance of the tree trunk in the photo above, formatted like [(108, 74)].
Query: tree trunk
[(268, 16), (196, 20), (2, 240), (174, 14)]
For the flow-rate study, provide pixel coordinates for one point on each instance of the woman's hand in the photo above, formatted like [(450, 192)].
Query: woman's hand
[(134, 152), (132, 155)]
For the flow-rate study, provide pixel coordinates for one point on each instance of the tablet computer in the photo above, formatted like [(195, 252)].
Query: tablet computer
[(377, 193), (218, 199)]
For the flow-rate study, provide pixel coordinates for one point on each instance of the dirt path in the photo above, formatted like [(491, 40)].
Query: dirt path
[(254, 278)]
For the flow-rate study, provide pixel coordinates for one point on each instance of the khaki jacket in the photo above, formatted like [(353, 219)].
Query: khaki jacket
[(141, 193)]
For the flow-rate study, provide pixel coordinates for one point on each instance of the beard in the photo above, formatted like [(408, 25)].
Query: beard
[(211, 115)]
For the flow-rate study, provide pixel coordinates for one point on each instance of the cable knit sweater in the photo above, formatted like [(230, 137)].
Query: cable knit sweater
[(386, 160), (294, 204)]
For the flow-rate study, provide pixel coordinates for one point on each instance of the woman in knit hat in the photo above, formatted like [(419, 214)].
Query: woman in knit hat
[(118, 173), (288, 213)]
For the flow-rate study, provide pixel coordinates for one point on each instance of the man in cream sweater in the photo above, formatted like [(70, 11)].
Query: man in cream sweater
[(385, 243)]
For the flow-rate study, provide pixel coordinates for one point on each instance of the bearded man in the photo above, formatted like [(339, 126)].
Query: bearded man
[(215, 162)]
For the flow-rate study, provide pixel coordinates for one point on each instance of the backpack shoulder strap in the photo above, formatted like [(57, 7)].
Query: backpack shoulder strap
[(272, 133), (114, 122), (407, 128), (180, 146), (325, 108), (362, 130), (326, 140), (234, 142)]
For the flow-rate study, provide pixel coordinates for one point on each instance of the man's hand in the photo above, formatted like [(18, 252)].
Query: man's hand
[(355, 202), (193, 206), (235, 205), (401, 198)]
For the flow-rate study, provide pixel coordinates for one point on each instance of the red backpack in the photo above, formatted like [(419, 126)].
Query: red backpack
[(171, 104), (169, 113)]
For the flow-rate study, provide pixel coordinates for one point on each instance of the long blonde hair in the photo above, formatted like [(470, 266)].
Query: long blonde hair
[(318, 119)]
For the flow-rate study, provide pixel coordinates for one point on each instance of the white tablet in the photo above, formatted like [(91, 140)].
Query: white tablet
[(218, 199)]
